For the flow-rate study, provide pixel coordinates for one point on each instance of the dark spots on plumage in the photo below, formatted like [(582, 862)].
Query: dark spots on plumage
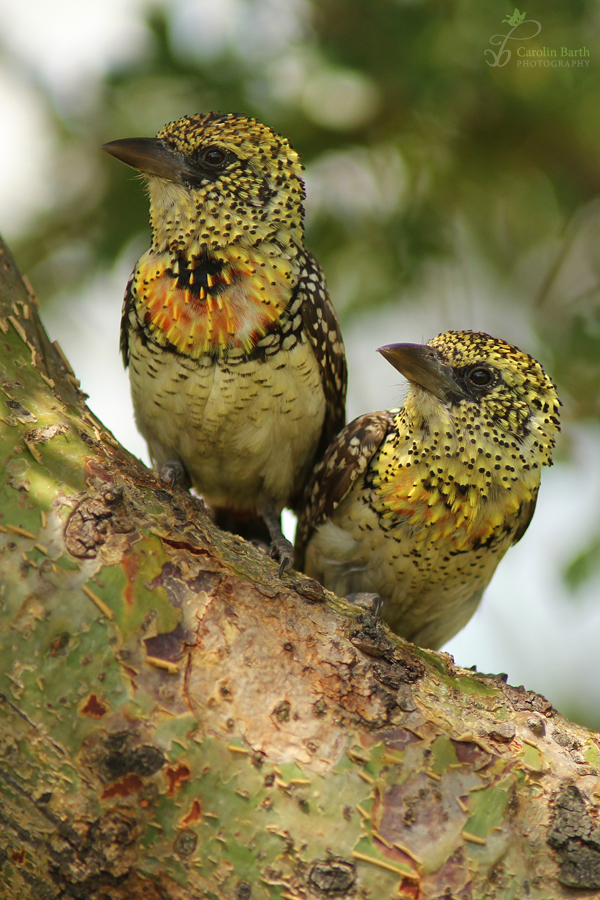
[(193, 275)]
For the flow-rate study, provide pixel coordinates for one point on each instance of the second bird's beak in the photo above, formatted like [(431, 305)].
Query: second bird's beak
[(150, 156), (422, 365)]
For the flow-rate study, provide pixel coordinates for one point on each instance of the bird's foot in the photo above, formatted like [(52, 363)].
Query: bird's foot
[(369, 602), (281, 548), (174, 474)]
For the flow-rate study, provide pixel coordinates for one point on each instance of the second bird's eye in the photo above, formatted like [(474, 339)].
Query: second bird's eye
[(480, 376), (213, 156)]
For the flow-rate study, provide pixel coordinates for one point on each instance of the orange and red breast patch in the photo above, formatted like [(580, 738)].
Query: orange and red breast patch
[(232, 301)]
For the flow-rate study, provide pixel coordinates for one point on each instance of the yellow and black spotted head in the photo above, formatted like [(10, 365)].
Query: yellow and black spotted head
[(218, 179), (495, 392)]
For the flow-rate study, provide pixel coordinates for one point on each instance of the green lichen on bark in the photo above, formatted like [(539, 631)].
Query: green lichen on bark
[(179, 722)]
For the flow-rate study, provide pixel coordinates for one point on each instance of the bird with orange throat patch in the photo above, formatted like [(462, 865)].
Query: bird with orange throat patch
[(236, 362)]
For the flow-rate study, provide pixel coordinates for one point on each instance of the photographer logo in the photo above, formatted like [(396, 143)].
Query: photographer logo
[(521, 30)]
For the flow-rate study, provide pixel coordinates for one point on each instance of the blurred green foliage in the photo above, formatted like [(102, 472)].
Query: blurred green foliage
[(409, 136), (584, 565)]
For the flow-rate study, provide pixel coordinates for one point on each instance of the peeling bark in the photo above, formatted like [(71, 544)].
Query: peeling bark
[(178, 722)]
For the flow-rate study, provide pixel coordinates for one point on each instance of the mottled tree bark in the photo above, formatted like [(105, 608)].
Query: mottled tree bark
[(179, 722)]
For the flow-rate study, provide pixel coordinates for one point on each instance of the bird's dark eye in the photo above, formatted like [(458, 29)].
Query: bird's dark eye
[(213, 156), (480, 376)]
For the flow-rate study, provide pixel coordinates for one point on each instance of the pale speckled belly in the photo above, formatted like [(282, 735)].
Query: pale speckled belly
[(245, 431)]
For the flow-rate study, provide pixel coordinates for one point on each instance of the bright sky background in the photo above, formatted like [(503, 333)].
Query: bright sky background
[(528, 625)]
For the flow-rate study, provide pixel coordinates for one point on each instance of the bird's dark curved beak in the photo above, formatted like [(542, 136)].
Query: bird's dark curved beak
[(423, 365), (150, 156)]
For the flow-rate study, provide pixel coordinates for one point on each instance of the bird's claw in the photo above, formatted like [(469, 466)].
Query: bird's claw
[(369, 602), (282, 550), (173, 473)]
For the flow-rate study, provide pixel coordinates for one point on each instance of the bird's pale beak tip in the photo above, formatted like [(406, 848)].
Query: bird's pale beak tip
[(109, 147), (389, 352)]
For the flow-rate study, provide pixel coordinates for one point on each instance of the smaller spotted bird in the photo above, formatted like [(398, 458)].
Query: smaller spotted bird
[(419, 504), (236, 361)]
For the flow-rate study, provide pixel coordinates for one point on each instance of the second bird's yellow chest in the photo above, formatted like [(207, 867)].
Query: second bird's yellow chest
[(425, 528)]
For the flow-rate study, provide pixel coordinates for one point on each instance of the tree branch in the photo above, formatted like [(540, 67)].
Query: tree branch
[(179, 722)]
